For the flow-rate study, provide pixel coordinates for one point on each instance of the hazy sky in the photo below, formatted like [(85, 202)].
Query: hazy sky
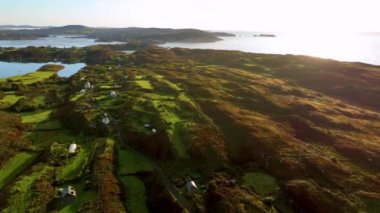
[(262, 15)]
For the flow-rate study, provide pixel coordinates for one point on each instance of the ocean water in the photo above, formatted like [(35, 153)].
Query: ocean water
[(343, 47), (12, 69), (60, 41)]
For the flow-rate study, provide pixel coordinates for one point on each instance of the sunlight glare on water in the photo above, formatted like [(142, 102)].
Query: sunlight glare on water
[(346, 47)]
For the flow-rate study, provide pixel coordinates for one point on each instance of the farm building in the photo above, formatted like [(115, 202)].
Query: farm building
[(68, 193), (113, 94), (73, 148), (106, 120), (190, 186), (87, 85)]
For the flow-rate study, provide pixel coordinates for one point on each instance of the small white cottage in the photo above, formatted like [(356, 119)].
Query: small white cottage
[(73, 148), (68, 193), (87, 85), (113, 94), (106, 121), (190, 186)]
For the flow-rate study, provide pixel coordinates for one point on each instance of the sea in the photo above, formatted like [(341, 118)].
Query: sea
[(364, 47)]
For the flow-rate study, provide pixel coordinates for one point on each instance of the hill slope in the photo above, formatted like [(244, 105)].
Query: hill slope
[(256, 133)]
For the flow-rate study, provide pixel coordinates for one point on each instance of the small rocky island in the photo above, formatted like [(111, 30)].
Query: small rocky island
[(265, 35)]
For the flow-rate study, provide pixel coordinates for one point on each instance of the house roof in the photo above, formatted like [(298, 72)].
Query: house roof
[(69, 191), (72, 148), (191, 186)]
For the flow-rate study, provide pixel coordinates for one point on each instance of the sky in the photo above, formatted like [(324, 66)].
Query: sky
[(242, 15)]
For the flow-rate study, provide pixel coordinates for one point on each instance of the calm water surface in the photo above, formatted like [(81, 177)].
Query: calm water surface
[(13, 69), (348, 47)]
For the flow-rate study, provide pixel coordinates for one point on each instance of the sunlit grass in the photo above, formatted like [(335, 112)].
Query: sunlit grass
[(14, 166), (22, 193), (144, 84), (131, 162), (36, 117), (74, 166), (136, 194), (31, 78)]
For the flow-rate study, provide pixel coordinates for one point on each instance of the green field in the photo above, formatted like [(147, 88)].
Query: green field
[(136, 195), (76, 97), (49, 125), (75, 166), (36, 117), (22, 193), (30, 78), (167, 112), (15, 166), (9, 100), (131, 162), (262, 183), (144, 84)]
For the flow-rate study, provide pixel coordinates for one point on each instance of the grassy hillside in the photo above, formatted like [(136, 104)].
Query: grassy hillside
[(255, 132)]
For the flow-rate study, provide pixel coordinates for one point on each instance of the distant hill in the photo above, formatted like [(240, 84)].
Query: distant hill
[(18, 27), (158, 35)]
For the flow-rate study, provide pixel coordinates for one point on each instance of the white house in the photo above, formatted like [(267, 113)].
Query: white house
[(87, 85), (72, 148), (190, 186), (68, 194), (113, 94), (106, 121)]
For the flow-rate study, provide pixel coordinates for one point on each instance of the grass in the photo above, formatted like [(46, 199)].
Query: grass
[(262, 183), (10, 99), (166, 109), (75, 166), (22, 193), (42, 139), (131, 162), (49, 125), (177, 140), (172, 85), (106, 87), (15, 166), (144, 84), (35, 117), (76, 97), (136, 195), (31, 78)]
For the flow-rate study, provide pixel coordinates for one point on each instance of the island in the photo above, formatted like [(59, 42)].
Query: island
[(265, 35)]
